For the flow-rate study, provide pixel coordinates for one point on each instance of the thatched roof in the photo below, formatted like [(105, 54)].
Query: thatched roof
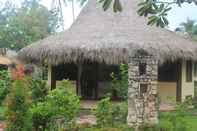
[(4, 60), (109, 37)]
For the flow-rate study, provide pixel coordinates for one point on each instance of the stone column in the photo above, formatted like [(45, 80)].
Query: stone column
[(142, 91)]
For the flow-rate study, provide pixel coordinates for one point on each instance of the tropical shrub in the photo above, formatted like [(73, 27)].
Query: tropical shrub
[(120, 82), (5, 84), (110, 115), (41, 116), (60, 108), (39, 90), (119, 113), (65, 104), (103, 113), (17, 115)]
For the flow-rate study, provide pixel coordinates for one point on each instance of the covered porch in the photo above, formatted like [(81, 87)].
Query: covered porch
[(92, 81)]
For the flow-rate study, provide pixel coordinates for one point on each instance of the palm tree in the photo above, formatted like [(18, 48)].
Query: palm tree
[(188, 26), (58, 4)]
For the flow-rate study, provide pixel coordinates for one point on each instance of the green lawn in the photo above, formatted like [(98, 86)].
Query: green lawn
[(190, 118), (2, 113), (192, 121)]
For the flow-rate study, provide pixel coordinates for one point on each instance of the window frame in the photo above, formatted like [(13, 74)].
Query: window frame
[(189, 71)]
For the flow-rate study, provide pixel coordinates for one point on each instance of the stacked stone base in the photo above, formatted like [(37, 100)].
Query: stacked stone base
[(142, 92)]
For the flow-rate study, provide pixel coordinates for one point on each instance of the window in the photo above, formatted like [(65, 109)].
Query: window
[(143, 89), (189, 71), (142, 69), (195, 69)]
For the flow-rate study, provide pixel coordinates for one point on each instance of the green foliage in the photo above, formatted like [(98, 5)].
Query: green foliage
[(60, 104), (109, 115), (27, 24), (64, 102), (176, 121), (120, 86), (41, 115), (39, 90), (157, 11), (190, 27), (172, 121), (103, 113), (117, 7), (119, 113), (5, 84), (121, 128), (18, 115)]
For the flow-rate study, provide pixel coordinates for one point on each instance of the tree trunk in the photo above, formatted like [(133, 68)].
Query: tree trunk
[(73, 10)]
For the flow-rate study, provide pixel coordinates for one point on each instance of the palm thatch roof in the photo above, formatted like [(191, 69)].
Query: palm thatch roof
[(5, 61), (109, 37)]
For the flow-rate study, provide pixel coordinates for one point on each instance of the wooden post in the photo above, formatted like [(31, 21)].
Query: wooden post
[(79, 73), (51, 77), (179, 81), (96, 86)]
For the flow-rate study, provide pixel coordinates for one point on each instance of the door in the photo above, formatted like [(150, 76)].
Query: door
[(89, 81)]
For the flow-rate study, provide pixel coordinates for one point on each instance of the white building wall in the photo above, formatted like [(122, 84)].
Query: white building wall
[(187, 87)]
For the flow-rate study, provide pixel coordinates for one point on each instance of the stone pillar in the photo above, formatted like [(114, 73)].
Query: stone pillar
[(142, 91)]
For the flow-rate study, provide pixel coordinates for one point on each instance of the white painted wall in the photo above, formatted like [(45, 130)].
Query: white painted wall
[(187, 87)]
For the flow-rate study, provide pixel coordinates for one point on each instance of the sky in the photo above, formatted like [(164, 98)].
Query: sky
[(180, 14), (68, 17), (176, 16)]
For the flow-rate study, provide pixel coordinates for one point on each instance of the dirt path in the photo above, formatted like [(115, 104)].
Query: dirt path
[(84, 119)]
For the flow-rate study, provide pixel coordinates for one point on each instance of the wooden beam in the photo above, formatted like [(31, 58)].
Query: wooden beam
[(79, 73), (96, 84), (179, 81), (51, 77)]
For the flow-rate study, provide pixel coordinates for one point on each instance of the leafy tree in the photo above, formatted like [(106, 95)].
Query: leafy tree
[(190, 27), (27, 24)]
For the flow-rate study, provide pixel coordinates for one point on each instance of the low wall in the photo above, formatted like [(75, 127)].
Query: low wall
[(167, 91)]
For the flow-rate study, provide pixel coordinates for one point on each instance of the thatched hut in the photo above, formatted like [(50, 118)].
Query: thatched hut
[(7, 58), (98, 37)]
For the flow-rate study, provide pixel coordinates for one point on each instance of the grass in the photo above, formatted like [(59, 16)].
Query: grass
[(192, 121), (2, 113), (191, 118)]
